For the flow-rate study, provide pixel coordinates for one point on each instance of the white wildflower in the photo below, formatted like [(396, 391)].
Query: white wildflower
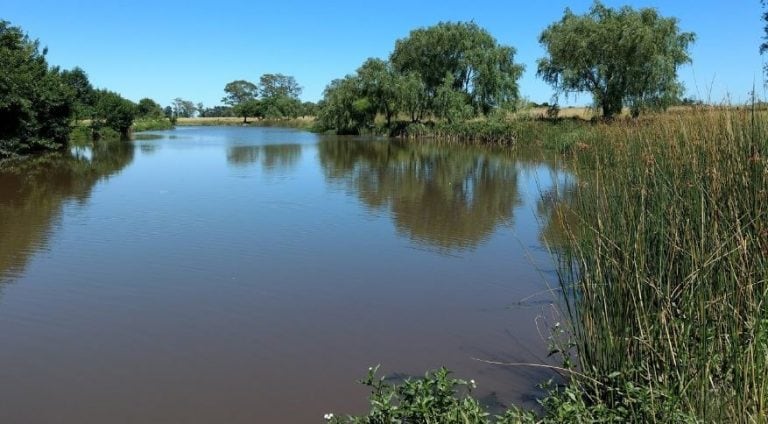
[(328, 416), (472, 383)]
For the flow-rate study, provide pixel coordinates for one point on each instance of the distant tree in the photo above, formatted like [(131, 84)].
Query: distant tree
[(148, 108), (217, 112), (113, 111), (379, 85), (277, 107), (480, 67), (279, 85), (309, 109), (239, 93), (622, 57), (36, 103), (200, 108), (248, 108), (78, 81), (183, 108), (168, 112)]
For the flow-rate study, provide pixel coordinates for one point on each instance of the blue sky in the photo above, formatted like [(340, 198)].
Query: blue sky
[(167, 49)]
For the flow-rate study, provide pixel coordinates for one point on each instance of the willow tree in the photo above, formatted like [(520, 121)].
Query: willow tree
[(478, 65), (621, 56)]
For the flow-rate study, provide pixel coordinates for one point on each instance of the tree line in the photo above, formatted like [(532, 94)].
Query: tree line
[(276, 96), (457, 71), (452, 71), (39, 102)]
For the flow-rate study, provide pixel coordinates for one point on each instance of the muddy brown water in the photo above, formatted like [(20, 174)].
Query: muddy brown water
[(248, 275)]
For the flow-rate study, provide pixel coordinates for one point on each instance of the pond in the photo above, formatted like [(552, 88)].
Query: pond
[(241, 275)]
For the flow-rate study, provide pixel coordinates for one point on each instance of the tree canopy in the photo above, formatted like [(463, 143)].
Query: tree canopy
[(451, 71), (621, 56), (240, 91), (279, 85), (35, 102), (468, 56)]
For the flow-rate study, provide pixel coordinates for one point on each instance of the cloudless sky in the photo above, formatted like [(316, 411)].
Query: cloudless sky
[(167, 49)]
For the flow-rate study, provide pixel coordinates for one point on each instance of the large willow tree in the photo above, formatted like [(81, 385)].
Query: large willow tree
[(621, 56), (465, 54)]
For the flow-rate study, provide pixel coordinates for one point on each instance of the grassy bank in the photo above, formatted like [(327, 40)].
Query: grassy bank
[(664, 278), (306, 123)]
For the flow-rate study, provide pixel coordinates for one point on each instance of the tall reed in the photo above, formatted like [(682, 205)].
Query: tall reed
[(666, 285)]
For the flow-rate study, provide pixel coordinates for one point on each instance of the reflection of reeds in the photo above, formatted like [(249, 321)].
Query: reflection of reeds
[(670, 284)]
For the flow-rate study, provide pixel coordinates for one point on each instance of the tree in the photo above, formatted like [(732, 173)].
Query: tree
[(248, 108), (480, 67), (309, 109), (413, 96), (113, 111), (379, 84), (148, 108), (276, 85), (622, 57), (78, 81), (239, 93), (35, 101), (183, 108), (344, 108)]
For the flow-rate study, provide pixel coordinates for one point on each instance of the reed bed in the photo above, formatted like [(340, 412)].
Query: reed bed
[(665, 274)]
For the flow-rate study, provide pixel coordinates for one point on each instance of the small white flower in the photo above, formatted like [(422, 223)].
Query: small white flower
[(472, 383), (328, 416)]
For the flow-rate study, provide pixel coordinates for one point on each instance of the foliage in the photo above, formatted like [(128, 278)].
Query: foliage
[(78, 81), (436, 398), (183, 108), (451, 71), (622, 57), (279, 85), (479, 67), (112, 111), (308, 109), (379, 84), (240, 95), (216, 112), (344, 108), (240, 91), (148, 108), (248, 108), (280, 106), (151, 124), (36, 103)]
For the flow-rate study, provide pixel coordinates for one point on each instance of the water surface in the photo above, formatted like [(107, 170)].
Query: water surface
[(247, 275)]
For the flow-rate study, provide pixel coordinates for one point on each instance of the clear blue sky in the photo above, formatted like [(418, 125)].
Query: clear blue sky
[(167, 49)]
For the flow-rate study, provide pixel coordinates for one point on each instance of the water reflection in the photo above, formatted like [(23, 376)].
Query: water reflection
[(451, 199), (273, 157), (33, 191)]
